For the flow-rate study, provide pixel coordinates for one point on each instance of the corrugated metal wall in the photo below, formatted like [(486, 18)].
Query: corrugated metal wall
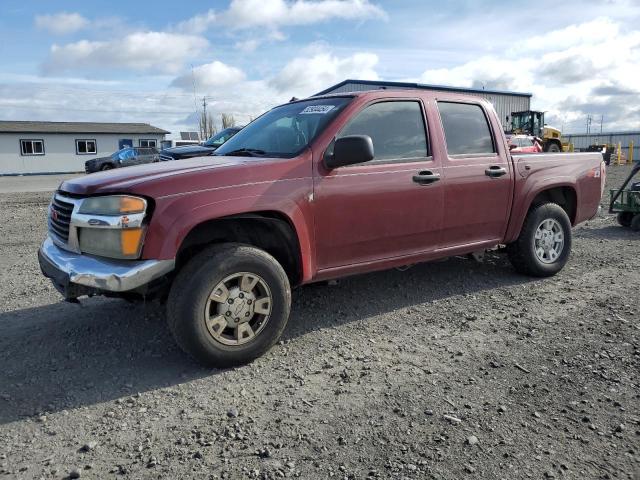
[(582, 141), (504, 103)]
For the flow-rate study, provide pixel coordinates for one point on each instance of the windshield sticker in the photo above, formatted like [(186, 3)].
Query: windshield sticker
[(321, 109)]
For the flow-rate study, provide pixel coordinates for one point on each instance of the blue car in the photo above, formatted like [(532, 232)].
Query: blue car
[(126, 157)]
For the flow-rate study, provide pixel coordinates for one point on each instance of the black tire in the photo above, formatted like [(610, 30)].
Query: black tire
[(624, 218), (553, 148), (192, 288), (106, 166), (635, 223), (522, 252)]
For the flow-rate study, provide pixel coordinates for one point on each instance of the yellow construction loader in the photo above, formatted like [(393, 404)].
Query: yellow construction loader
[(532, 123)]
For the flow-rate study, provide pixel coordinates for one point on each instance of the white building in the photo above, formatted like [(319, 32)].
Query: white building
[(61, 147)]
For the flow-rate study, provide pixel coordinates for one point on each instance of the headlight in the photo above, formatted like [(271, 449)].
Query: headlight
[(111, 226), (113, 205)]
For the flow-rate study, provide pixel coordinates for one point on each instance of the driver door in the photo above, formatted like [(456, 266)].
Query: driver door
[(378, 209)]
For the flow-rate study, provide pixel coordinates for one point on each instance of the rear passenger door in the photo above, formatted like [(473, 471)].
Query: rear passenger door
[(479, 177)]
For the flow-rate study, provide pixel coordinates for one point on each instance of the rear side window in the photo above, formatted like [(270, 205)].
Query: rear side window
[(465, 128), (396, 129)]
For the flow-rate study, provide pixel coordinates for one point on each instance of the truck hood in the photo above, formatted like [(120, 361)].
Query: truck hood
[(158, 178)]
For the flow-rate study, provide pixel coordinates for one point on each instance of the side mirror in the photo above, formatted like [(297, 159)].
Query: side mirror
[(512, 146), (350, 150)]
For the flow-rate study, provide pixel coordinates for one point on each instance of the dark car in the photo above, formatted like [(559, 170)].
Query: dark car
[(203, 149), (126, 157)]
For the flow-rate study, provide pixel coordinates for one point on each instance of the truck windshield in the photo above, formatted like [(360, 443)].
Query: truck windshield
[(286, 130)]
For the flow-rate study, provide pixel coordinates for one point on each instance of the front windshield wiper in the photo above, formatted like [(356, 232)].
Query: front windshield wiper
[(244, 152)]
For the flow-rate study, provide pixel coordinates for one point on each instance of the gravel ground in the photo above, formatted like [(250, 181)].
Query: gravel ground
[(448, 370)]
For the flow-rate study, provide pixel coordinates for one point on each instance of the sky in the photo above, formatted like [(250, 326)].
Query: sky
[(154, 62)]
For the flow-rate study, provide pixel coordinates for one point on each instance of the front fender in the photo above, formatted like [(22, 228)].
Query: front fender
[(175, 217)]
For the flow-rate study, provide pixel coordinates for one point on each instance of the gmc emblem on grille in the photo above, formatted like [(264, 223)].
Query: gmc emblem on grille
[(54, 214)]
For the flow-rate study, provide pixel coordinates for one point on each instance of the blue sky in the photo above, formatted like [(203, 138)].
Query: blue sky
[(140, 61)]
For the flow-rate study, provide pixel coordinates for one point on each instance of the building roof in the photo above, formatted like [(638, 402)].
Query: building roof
[(77, 127), (383, 84)]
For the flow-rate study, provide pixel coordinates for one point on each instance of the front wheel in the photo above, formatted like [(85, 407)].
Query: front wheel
[(544, 244), (553, 148), (229, 305)]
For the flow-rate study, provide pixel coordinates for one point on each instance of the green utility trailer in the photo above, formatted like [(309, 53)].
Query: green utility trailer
[(626, 202)]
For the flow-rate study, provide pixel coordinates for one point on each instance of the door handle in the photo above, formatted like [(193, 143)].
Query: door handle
[(426, 177), (495, 171)]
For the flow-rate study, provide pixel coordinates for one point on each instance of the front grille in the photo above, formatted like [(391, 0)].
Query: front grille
[(60, 218)]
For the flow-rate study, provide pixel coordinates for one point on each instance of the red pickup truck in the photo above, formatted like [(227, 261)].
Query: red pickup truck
[(313, 190)]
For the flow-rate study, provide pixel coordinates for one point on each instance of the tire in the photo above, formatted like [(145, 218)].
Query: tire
[(635, 223), (625, 218), (106, 166), (553, 148), (522, 252), (191, 300)]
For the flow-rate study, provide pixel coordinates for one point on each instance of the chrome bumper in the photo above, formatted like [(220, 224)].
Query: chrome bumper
[(66, 269)]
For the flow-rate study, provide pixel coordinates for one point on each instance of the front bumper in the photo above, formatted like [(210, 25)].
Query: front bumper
[(76, 274)]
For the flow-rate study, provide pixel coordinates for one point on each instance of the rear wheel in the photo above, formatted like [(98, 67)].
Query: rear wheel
[(229, 305), (635, 223), (106, 166), (544, 244), (624, 218)]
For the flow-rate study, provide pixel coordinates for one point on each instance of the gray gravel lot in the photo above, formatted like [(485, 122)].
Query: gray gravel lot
[(448, 370)]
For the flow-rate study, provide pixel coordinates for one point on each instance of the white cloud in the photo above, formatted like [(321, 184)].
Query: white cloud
[(587, 33), (61, 23), (243, 14), (304, 76), (209, 76), (142, 51), (572, 72), (198, 23)]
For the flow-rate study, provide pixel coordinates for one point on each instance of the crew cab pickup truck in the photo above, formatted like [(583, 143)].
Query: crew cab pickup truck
[(313, 190)]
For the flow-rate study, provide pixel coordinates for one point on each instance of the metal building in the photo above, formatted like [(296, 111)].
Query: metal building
[(504, 102), (582, 140)]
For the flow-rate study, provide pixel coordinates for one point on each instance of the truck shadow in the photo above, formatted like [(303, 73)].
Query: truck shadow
[(63, 356)]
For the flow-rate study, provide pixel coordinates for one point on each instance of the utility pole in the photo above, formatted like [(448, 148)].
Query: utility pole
[(588, 124), (204, 118), (601, 122)]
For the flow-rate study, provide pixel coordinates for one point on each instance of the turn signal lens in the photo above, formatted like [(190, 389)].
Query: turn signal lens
[(132, 205), (113, 205), (130, 241)]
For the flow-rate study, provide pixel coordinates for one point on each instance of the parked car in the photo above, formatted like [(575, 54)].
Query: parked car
[(524, 144), (314, 190), (125, 157), (200, 150)]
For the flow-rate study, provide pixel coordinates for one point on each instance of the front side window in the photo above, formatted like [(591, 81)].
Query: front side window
[(86, 147), (286, 130), (126, 154), (147, 143), (466, 129), (397, 130), (31, 147)]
